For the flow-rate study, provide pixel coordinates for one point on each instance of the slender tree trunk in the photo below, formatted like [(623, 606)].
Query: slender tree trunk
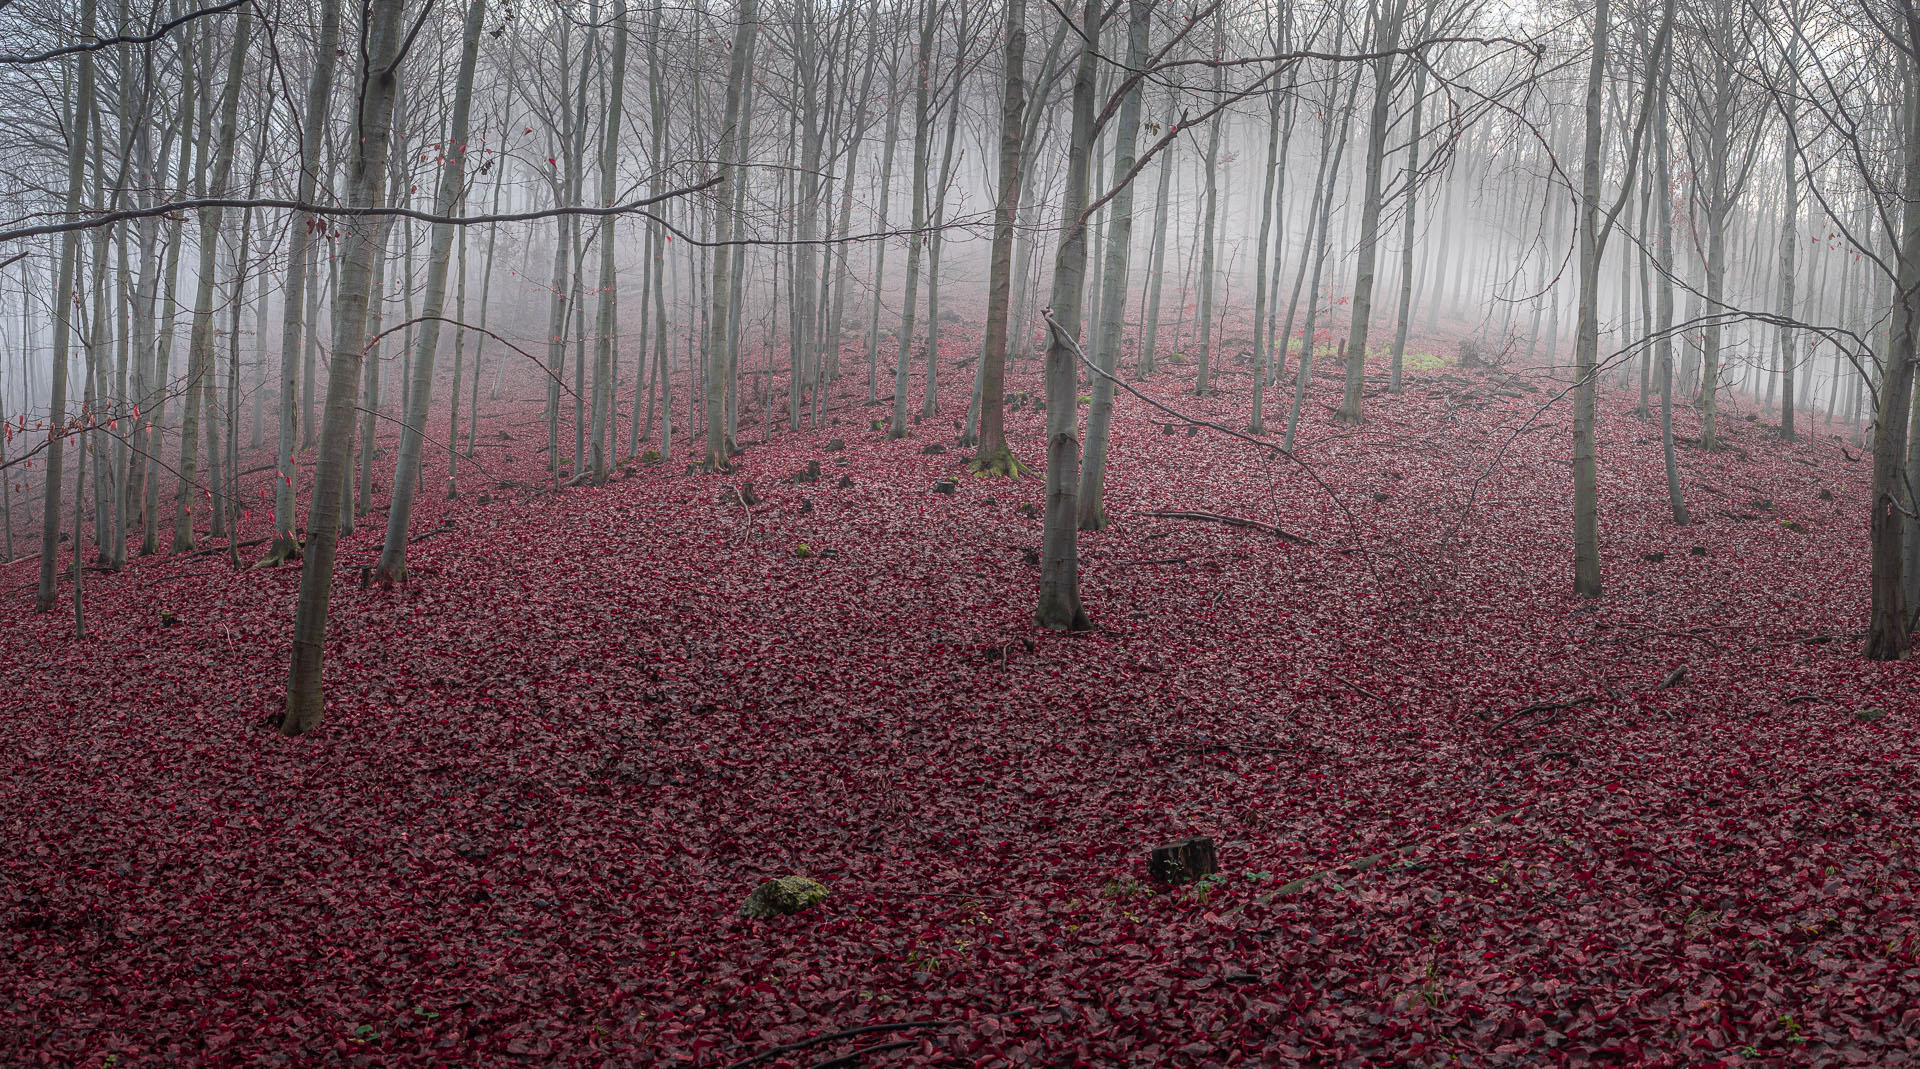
[(406, 476), (293, 301), (993, 456), (1157, 260), (922, 132), (1889, 628), (1586, 507), (1270, 173), (366, 175), (1059, 608), (1405, 317), (1208, 230), (731, 146), (1113, 307), (200, 343), (64, 302), (1386, 38)]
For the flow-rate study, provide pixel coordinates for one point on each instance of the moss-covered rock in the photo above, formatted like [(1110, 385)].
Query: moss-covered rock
[(788, 894)]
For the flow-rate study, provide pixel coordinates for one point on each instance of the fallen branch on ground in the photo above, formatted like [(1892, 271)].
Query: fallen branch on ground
[(1233, 521)]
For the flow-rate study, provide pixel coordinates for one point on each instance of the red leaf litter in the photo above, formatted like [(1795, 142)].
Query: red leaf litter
[(556, 761)]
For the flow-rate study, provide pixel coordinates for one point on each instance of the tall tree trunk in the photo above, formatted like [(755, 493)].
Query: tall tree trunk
[(1405, 317), (453, 170), (1157, 260), (293, 300), (1663, 315), (1209, 267), (731, 146), (1269, 174), (1386, 38), (1586, 507), (993, 456), (1889, 630), (608, 320), (922, 133), (200, 342), (367, 173), (63, 305), (1113, 282), (1059, 608)]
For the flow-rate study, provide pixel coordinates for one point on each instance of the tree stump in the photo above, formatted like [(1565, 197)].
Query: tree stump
[(1183, 861)]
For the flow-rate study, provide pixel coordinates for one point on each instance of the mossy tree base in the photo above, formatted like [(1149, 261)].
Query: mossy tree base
[(1003, 464)]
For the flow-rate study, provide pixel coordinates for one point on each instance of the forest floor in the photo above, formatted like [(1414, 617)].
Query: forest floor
[(556, 761)]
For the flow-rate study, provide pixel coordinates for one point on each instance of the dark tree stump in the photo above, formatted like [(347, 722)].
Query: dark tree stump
[(1183, 861)]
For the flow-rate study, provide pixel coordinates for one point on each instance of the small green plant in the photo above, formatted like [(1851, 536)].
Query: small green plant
[(1204, 887), (1177, 358), (1793, 1030), (365, 1034), (803, 551), (1084, 399), (424, 1013), (1423, 362), (1126, 889), (1259, 877)]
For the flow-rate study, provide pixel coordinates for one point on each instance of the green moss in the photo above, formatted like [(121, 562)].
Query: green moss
[(788, 894)]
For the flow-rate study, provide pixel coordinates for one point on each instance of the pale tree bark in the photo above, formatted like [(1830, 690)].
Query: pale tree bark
[(929, 400), (1059, 608), (1113, 282), (1157, 260), (63, 304), (1209, 236), (1594, 230), (163, 354), (453, 179), (200, 341), (993, 456), (1663, 314), (1270, 173), (1586, 508), (299, 240), (1316, 252), (731, 146), (1386, 38), (884, 195), (1889, 629), (366, 175), (802, 352), (1404, 320), (608, 315), (922, 135)]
